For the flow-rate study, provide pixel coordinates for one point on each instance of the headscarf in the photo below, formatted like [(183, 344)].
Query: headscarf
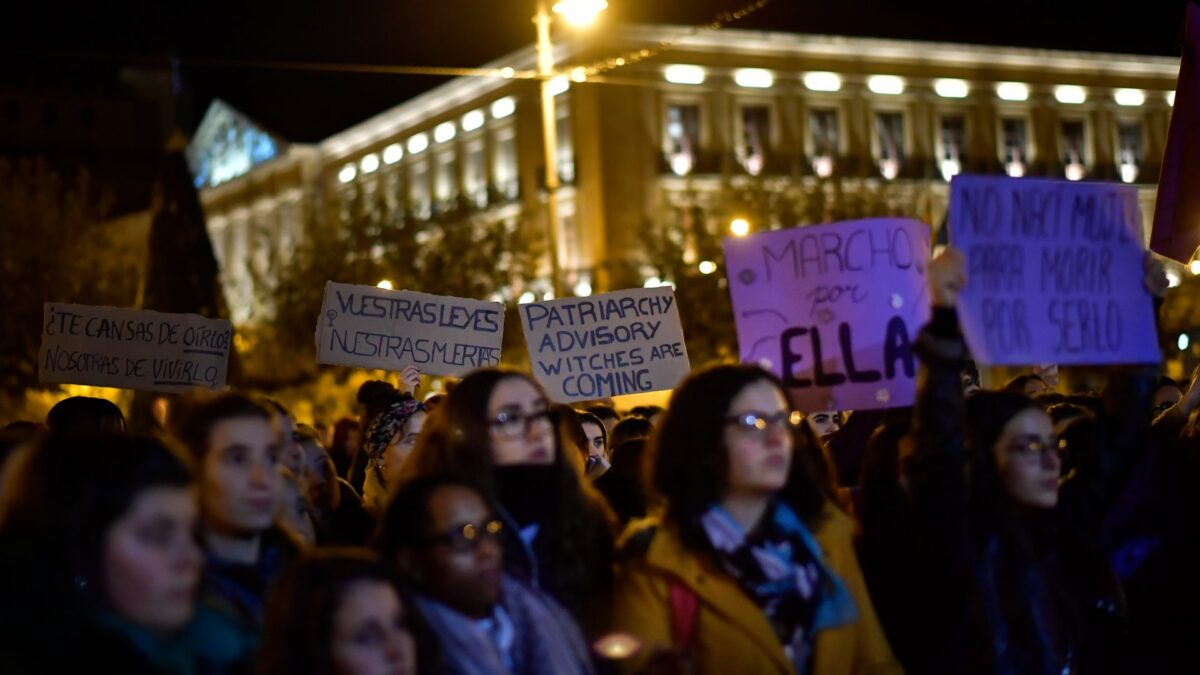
[(383, 429)]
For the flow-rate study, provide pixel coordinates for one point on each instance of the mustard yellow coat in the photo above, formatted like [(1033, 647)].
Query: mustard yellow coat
[(731, 634)]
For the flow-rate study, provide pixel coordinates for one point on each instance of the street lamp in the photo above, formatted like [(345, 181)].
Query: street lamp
[(576, 12)]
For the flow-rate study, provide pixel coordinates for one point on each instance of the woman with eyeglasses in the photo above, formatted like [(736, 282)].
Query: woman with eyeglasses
[(1006, 550), (750, 568), (443, 542), (496, 430)]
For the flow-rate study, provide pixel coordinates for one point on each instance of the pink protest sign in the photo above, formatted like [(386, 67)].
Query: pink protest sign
[(833, 309)]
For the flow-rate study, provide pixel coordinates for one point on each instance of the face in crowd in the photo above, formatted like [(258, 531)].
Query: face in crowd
[(595, 440), (400, 447), (825, 423), (240, 485), (758, 436), (291, 453), (458, 560), (369, 636), (521, 426), (151, 561), (1027, 460)]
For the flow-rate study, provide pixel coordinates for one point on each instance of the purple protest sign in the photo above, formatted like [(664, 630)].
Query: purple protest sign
[(833, 309), (1054, 272)]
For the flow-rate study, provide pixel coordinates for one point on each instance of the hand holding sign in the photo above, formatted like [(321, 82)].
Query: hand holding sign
[(947, 276)]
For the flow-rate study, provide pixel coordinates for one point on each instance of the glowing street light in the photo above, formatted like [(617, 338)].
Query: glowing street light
[(707, 267), (580, 12), (740, 227), (385, 284)]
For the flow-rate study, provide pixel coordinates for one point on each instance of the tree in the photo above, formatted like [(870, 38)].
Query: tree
[(55, 246)]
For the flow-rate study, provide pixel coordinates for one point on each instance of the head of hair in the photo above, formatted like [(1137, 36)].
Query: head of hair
[(604, 412), (1017, 384), (341, 435), (631, 428), (589, 418), (61, 499), (85, 415), (375, 396), (1047, 399), (987, 414), (197, 422), (571, 427), (689, 459), (1061, 412), (646, 411), (301, 607), (456, 441), (406, 518)]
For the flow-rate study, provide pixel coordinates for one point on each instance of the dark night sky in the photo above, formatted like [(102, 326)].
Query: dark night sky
[(61, 40)]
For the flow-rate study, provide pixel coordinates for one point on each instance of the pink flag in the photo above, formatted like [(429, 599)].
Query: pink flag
[(1176, 231)]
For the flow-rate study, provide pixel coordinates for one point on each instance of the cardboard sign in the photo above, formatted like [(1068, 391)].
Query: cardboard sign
[(619, 343), (132, 348), (833, 309), (369, 327), (1054, 272)]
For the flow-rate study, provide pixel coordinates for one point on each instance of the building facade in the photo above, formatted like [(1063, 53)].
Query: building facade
[(714, 112)]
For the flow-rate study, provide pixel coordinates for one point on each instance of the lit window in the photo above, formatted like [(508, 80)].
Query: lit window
[(445, 187), (559, 85), (369, 163), (474, 173), (472, 120), (1012, 91), (565, 155), (443, 132), (1171, 98), (684, 74), (823, 134), (1074, 148), (889, 85), (504, 107), (947, 88), (822, 81), (504, 167), (393, 153), (1014, 139), (418, 189), (417, 144), (682, 137), (755, 138), (1129, 150), (347, 173), (889, 134), (1070, 94), (1129, 97), (952, 138), (754, 78)]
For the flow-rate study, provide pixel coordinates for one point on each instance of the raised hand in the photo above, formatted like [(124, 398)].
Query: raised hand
[(947, 276)]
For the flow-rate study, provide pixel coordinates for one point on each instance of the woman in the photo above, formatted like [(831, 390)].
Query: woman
[(750, 568), (495, 430), (100, 561), (334, 612), (1009, 582), (391, 437)]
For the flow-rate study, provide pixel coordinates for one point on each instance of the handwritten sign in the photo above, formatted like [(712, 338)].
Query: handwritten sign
[(1054, 272), (369, 327), (625, 342), (833, 309), (132, 348)]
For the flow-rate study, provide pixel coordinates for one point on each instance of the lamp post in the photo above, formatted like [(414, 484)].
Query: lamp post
[(579, 12)]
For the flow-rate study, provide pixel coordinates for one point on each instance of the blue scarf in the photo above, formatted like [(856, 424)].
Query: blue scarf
[(779, 566)]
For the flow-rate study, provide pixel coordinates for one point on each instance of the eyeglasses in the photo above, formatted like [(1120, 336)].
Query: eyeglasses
[(513, 424), (757, 423), (466, 538), (1033, 450)]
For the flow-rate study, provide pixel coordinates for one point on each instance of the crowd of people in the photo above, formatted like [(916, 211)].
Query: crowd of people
[(1023, 530)]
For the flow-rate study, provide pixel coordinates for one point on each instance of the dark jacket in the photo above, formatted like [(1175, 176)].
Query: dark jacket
[(1003, 594)]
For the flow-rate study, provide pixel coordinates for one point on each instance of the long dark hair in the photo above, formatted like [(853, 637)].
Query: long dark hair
[(62, 497), (302, 604), (689, 463), (456, 441), (987, 413)]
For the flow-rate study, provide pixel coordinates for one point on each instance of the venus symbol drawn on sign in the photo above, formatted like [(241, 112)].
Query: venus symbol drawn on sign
[(331, 315)]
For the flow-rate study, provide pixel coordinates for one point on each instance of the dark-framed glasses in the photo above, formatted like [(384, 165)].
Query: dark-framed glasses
[(514, 423), (759, 423), (467, 537)]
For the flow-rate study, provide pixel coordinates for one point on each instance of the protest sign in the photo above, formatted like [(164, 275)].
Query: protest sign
[(369, 327), (132, 348), (833, 309), (619, 343), (1054, 272)]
